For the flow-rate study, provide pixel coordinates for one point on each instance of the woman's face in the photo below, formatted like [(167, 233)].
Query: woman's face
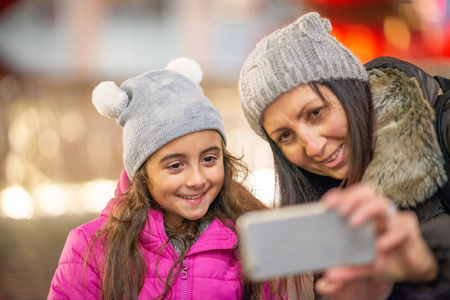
[(186, 175), (311, 134)]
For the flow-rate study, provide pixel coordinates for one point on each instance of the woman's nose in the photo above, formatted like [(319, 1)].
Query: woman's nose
[(313, 142)]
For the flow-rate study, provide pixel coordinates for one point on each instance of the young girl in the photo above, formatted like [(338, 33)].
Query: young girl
[(169, 233)]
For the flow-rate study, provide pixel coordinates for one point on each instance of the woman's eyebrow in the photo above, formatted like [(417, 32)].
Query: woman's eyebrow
[(297, 116), (274, 132)]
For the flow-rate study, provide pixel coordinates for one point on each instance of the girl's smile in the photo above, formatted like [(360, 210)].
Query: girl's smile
[(186, 175), (196, 197)]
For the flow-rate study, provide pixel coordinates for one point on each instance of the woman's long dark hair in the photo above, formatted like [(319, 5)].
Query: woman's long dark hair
[(125, 269), (296, 185)]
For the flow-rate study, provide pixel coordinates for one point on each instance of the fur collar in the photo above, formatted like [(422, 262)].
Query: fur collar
[(408, 165)]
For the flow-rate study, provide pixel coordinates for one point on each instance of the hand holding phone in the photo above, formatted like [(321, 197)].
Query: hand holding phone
[(301, 238)]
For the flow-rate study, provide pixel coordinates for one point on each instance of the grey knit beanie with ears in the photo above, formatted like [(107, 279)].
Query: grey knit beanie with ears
[(157, 107), (297, 54)]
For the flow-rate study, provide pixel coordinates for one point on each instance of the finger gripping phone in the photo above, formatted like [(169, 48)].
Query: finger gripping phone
[(299, 239)]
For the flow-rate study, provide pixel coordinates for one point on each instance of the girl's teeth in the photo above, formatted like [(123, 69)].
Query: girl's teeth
[(191, 197)]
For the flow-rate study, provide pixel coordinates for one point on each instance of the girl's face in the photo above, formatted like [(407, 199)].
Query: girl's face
[(186, 175), (311, 134)]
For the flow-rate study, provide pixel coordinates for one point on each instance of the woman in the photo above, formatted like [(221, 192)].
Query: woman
[(331, 123)]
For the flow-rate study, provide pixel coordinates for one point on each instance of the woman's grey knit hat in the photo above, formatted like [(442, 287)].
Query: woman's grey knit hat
[(157, 107), (297, 54)]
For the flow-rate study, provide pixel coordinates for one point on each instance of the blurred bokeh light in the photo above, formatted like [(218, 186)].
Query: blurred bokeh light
[(17, 203)]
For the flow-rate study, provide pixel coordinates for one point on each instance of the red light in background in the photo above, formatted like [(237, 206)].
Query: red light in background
[(411, 29), (344, 2), (362, 40)]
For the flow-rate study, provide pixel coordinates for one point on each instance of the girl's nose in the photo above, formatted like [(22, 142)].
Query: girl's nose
[(195, 177)]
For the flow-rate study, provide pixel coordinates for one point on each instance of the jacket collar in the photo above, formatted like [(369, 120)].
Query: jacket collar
[(408, 165), (216, 236)]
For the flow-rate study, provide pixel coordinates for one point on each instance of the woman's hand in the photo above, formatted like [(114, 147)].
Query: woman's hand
[(402, 253), (364, 288)]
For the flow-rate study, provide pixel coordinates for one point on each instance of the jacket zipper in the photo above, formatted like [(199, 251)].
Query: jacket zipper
[(183, 273), (184, 285)]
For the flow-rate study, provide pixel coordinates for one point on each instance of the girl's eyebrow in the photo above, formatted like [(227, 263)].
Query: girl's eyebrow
[(171, 156), (182, 155), (212, 148)]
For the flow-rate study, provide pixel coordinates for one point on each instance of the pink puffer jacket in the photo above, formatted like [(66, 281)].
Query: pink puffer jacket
[(210, 270)]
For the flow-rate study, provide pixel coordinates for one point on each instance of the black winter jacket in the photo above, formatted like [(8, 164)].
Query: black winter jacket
[(408, 165)]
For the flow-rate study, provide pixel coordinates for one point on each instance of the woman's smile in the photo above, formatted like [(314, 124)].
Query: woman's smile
[(335, 158)]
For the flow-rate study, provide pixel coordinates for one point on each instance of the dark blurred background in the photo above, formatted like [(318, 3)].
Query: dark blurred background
[(60, 160)]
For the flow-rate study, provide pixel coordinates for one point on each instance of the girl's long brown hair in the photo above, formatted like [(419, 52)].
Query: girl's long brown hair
[(124, 270)]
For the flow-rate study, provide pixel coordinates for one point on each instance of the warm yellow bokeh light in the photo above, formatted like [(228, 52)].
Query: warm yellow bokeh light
[(18, 135), (14, 168), (261, 183), (72, 126), (48, 144), (17, 203), (96, 194), (51, 199)]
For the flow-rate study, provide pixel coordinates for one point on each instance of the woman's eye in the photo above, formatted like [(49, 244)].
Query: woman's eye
[(284, 137), (315, 112)]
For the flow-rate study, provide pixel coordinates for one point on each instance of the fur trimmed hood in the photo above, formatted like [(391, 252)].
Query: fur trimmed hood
[(408, 164)]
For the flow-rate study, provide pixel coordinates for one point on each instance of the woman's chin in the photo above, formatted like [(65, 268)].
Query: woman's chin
[(339, 174)]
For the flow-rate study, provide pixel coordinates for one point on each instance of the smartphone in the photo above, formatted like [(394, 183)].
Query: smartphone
[(300, 238)]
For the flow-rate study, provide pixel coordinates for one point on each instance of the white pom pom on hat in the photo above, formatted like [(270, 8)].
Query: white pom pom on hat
[(157, 107), (187, 67), (109, 99)]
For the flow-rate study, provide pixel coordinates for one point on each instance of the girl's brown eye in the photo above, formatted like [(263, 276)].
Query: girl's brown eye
[(209, 159), (175, 166)]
